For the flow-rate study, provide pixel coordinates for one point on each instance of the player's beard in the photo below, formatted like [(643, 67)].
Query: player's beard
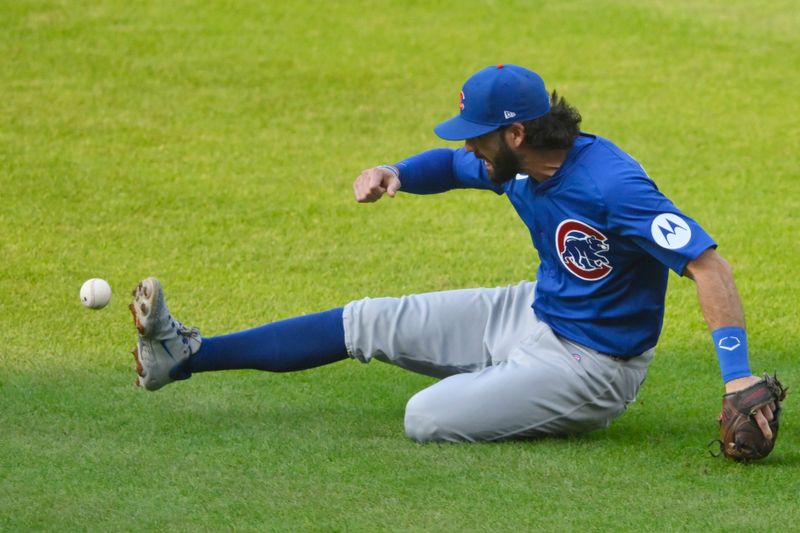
[(505, 165)]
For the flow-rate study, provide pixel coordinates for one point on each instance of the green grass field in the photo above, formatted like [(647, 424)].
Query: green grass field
[(213, 144)]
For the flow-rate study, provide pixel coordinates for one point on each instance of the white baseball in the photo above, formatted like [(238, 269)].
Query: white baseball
[(95, 293)]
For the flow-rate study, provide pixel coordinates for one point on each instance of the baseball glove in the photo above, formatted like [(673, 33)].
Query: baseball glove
[(740, 437)]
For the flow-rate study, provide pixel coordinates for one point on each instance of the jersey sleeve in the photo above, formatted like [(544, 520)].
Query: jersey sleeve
[(639, 211), (443, 169)]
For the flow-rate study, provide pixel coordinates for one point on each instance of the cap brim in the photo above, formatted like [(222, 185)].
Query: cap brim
[(458, 129)]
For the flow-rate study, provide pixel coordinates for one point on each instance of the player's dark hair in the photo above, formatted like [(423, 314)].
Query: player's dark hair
[(556, 130)]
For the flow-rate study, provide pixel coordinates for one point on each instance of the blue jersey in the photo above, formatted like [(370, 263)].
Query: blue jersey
[(606, 237)]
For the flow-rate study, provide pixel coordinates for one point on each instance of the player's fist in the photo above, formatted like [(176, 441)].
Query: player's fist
[(374, 183)]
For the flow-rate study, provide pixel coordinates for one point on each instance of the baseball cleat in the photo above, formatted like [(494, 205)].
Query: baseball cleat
[(164, 343)]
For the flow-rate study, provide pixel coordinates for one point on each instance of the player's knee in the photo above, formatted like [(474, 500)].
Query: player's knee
[(420, 425)]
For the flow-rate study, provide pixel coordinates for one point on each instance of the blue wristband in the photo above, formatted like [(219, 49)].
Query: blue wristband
[(731, 346)]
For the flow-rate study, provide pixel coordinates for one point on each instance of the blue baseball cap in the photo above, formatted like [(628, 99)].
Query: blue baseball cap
[(494, 97)]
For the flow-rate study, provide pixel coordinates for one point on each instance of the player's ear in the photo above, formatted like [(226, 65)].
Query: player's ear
[(515, 134)]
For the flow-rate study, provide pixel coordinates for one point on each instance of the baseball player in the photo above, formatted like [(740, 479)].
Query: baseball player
[(562, 355)]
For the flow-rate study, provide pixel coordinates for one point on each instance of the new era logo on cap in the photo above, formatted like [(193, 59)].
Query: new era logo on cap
[(489, 95)]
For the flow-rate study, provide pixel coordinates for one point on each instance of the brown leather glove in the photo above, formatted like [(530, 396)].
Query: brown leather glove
[(740, 437)]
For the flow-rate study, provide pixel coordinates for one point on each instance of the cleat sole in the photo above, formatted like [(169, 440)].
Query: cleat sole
[(139, 368), (143, 306), (139, 326)]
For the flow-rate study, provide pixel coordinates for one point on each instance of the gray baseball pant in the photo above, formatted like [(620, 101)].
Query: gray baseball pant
[(504, 372)]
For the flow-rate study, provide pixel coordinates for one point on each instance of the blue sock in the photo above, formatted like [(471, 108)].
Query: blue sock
[(293, 344)]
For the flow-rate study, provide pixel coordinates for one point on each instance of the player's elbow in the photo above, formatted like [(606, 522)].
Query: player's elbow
[(724, 268), (708, 263)]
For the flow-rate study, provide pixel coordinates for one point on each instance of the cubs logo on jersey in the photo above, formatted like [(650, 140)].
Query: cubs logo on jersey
[(581, 249)]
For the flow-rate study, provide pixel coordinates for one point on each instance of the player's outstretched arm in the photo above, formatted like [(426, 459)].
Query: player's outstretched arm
[(722, 309), (374, 182)]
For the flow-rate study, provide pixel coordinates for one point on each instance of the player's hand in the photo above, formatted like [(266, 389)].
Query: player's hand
[(374, 183), (762, 416)]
